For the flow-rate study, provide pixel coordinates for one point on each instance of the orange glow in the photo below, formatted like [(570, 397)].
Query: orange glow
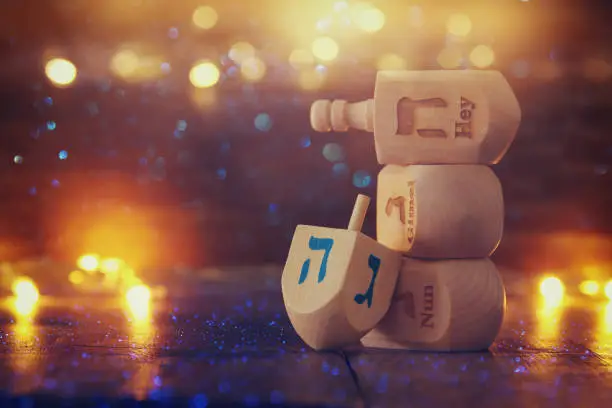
[(110, 265), (89, 262), (553, 290), (76, 277), (608, 290), (138, 299), (589, 287), (26, 296)]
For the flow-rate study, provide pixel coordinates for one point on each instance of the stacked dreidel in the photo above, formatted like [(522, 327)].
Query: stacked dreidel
[(438, 202)]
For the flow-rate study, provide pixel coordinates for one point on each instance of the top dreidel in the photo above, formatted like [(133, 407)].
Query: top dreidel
[(430, 117)]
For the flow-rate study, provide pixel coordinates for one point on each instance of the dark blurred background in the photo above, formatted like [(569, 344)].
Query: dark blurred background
[(177, 132)]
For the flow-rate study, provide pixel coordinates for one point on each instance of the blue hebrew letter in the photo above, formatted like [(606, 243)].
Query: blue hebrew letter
[(317, 244), (374, 264)]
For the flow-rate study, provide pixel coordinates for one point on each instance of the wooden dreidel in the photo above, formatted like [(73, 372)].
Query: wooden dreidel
[(438, 212), (337, 284), (443, 305), (430, 117)]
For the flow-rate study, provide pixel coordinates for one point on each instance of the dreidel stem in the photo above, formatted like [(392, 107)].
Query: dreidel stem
[(340, 116), (359, 213)]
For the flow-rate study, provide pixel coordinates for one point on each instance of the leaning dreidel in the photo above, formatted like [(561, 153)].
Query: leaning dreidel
[(338, 284), (443, 305), (430, 117)]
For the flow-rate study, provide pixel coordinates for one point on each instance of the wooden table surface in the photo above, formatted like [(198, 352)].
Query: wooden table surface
[(221, 337)]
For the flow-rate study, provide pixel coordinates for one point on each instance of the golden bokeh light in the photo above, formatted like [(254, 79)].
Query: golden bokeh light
[(549, 313), (325, 48), (205, 17), (553, 290), (459, 25), (608, 290), (76, 277), (589, 287), (26, 296), (241, 51), (124, 63), (367, 17), (138, 299), (89, 262), (482, 56), (110, 265), (204, 74), (60, 71), (450, 58), (391, 62), (300, 58), (253, 69)]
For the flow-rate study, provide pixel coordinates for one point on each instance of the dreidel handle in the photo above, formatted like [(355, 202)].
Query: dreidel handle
[(359, 212), (340, 116)]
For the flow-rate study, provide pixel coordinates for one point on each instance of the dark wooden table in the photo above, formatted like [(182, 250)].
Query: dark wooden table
[(221, 337)]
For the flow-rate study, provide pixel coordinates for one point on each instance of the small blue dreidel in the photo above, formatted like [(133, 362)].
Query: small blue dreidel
[(338, 284)]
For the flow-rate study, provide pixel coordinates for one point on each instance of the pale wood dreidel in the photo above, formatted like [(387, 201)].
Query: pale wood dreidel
[(337, 284), (437, 212), (430, 117), (443, 305)]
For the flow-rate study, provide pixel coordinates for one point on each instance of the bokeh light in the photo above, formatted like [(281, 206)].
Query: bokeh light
[(482, 56), (204, 74), (89, 262), (361, 179), (205, 17), (459, 25), (60, 71), (333, 152), (367, 17), (608, 290), (124, 63), (253, 69), (325, 48), (241, 51), (589, 287), (76, 277), (450, 58), (110, 265), (263, 122), (391, 62), (26, 296), (138, 299), (552, 289)]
